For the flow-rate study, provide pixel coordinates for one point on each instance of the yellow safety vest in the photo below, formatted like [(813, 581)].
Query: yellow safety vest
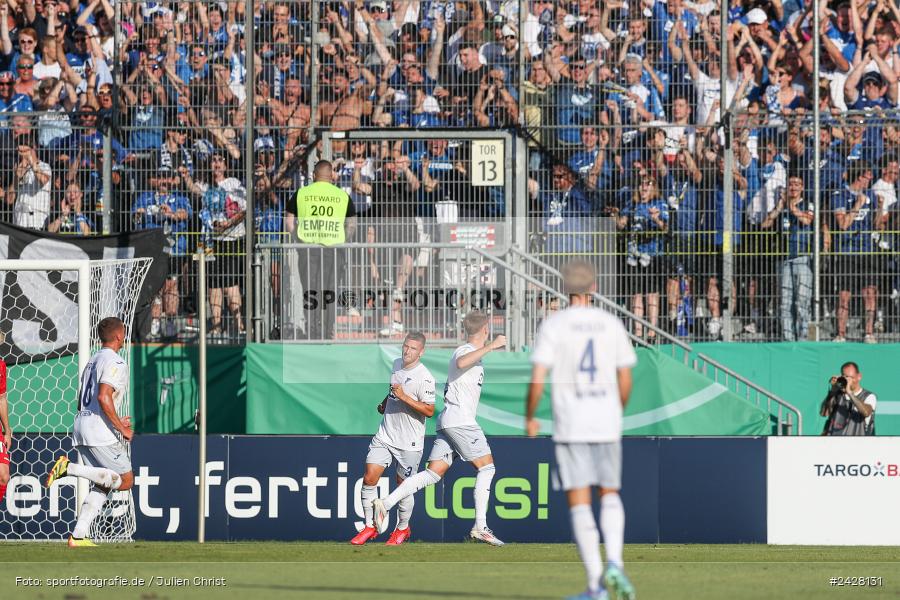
[(321, 208)]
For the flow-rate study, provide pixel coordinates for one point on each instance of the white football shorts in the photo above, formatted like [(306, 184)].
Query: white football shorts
[(581, 465), (113, 457), (467, 441), (383, 454)]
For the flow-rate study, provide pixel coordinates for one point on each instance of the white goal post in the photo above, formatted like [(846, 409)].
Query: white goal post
[(50, 311)]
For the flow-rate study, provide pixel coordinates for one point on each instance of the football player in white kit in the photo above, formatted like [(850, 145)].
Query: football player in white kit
[(590, 357), (457, 430), (106, 461), (400, 437)]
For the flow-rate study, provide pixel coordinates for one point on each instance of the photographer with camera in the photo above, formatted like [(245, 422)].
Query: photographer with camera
[(849, 407)]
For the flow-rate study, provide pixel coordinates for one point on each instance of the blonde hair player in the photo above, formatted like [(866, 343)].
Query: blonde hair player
[(458, 433), (401, 436), (590, 357)]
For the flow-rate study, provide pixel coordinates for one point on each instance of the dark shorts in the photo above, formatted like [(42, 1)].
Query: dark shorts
[(742, 265), (853, 272), (682, 252), (227, 270), (646, 280)]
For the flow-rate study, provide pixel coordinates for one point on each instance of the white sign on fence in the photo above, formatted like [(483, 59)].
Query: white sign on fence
[(487, 163)]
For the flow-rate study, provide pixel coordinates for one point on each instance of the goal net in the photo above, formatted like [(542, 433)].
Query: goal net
[(48, 332)]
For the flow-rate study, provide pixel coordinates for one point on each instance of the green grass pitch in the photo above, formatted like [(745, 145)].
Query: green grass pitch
[(263, 570)]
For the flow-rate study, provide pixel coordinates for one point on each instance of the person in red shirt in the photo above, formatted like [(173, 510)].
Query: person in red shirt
[(7, 433)]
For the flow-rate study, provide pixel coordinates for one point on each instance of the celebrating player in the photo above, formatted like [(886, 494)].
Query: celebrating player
[(457, 430), (6, 442), (400, 437), (590, 357), (107, 464)]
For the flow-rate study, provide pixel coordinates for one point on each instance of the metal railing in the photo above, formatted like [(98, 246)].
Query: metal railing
[(350, 303), (782, 412)]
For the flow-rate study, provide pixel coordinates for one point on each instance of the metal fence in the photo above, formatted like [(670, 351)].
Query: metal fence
[(331, 295), (620, 118)]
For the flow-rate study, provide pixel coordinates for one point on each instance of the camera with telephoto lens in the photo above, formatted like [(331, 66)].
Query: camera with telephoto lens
[(839, 386)]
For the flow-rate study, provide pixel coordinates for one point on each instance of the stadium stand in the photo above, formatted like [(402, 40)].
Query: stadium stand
[(126, 115)]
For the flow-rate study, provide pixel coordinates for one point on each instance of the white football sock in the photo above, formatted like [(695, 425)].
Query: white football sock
[(89, 510), (482, 494), (410, 486), (367, 494), (404, 511), (587, 539), (612, 523), (103, 477)]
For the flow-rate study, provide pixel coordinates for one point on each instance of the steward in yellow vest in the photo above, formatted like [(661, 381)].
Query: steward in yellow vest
[(321, 214)]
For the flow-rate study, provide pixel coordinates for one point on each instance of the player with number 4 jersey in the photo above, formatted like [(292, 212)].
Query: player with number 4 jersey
[(589, 357), (98, 426), (458, 432)]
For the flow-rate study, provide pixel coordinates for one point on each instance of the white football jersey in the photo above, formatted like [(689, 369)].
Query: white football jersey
[(92, 427), (462, 392), (402, 427), (583, 347)]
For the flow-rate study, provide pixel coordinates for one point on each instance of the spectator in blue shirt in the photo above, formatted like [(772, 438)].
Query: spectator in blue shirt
[(269, 213), (80, 53), (69, 218), (568, 211), (11, 102), (635, 41), (583, 161), (855, 210), (151, 48), (840, 33), (282, 69), (172, 212), (146, 106), (831, 166), (666, 16), (646, 218), (679, 188), (879, 89), (164, 208), (574, 103), (793, 220), (713, 295), (217, 29), (28, 47)]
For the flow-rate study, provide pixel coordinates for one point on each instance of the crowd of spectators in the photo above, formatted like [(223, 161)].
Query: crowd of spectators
[(620, 103)]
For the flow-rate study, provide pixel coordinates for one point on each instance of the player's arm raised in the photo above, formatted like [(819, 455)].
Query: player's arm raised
[(471, 358), (105, 398), (535, 391), (423, 408)]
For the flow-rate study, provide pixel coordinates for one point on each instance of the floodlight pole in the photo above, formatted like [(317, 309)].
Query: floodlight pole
[(201, 408)]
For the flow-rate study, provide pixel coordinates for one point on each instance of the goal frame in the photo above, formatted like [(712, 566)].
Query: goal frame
[(85, 271), (83, 267)]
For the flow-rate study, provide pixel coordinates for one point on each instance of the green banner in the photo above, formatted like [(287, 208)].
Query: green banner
[(799, 373), (165, 389), (300, 389)]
